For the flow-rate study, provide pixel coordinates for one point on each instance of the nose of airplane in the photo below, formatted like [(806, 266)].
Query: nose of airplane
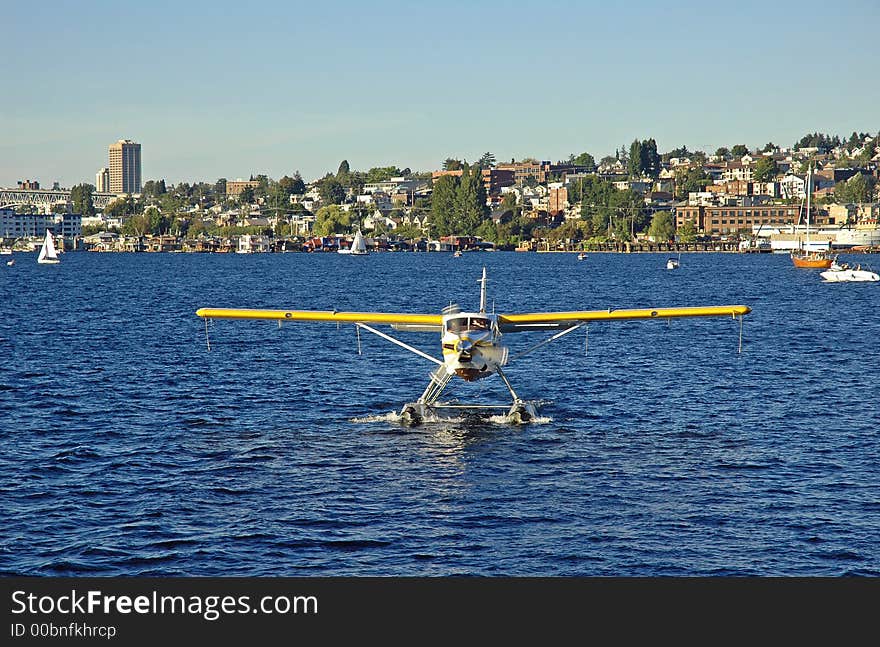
[(464, 345)]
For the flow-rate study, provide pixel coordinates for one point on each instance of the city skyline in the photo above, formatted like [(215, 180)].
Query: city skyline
[(221, 90)]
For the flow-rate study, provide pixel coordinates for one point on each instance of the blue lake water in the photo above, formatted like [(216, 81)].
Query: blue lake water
[(128, 448)]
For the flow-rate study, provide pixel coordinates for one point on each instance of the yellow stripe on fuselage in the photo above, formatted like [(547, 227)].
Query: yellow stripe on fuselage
[(317, 315), (609, 315)]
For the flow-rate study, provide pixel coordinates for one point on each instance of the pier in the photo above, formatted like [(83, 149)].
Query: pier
[(646, 246)]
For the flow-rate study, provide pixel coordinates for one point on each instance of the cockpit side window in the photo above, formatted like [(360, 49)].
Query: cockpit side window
[(456, 325), (478, 323)]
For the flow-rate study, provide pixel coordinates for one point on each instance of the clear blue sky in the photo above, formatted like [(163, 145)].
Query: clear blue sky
[(227, 89)]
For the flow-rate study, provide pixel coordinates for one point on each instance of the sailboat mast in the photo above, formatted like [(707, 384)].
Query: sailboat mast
[(483, 282), (809, 191)]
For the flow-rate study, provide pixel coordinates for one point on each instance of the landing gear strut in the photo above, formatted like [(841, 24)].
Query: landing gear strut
[(414, 413)]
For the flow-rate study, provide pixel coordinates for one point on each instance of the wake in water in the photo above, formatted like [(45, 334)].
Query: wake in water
[(456, 419)]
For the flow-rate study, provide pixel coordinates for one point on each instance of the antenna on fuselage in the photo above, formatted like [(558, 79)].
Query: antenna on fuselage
[(482, 283)]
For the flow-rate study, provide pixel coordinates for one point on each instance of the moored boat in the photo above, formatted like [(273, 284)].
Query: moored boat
[(842, 272), (804, 256)]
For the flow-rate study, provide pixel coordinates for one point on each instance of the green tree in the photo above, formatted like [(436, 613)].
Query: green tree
[(858, 188), (331, 220), (246, 196), (855, 140), (584, 159), (687, 233), (868, 150), (487, 230), (487, 160), (723, 152), (765, 170), (690, 180), (81, 197), (286, 185), (153, 188), (679, 152), (156, 223), (136, 225), (443, 205), (332, 191), (508, 204), (650, 158), (643, 158), (629, 213), (452, 164), (635, 159), (739, 150), (297, 186), (662, 227), (470, 201), (262, 188), (120, 207), (344, 169), (382, 173)]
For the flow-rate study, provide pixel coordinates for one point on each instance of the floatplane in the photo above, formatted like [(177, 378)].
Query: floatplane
[(471, 342)]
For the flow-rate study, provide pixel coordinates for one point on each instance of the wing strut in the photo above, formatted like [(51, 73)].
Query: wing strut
[(740, 349), (546, 341), (398, 342)]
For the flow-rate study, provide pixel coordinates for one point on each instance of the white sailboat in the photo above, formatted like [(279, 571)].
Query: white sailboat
[(47, 251), (358, 246)]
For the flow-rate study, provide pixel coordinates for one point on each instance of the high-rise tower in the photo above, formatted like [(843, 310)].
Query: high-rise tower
[(102, 181), (125, 167)]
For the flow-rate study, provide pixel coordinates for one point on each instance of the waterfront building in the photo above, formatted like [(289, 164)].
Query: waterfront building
[(250, 244), (34, 225), (724, 220), (102, 181), (125, 167)]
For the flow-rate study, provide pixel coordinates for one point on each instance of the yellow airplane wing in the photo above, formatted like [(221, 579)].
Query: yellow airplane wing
[(400, 321), (557, 320)]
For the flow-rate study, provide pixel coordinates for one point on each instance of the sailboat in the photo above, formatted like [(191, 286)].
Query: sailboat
[(47, 251), (358, 246), (803, 257)]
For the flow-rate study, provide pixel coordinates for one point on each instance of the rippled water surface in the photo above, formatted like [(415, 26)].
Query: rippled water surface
[(128, 448)]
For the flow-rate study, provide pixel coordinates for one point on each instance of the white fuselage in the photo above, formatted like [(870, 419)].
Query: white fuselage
[(471, 347)]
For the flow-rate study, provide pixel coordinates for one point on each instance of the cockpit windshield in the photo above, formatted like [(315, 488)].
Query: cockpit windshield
[(460, 324)]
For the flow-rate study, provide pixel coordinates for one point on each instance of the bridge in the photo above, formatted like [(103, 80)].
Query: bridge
[(45, 198)]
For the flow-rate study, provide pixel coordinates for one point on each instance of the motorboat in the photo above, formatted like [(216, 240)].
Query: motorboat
[(843, 272), (672, 264), (582, 256)]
